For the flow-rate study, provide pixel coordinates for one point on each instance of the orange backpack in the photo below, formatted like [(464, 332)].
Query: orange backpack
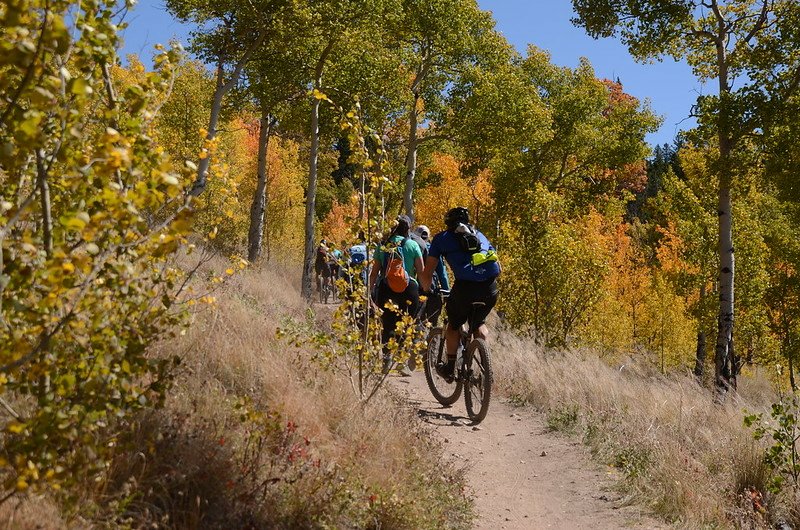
[(394, 269)]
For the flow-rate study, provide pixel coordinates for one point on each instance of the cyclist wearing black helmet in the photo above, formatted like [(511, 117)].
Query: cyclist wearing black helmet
[(474, 263)]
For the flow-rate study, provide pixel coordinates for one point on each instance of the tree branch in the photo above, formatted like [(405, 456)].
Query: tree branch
[(29, 71), (762, 18)]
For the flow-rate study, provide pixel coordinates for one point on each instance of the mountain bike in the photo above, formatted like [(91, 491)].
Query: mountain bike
[(473, 369), (325, 287)]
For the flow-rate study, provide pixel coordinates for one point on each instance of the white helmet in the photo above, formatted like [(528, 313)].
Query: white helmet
[(423, 232)]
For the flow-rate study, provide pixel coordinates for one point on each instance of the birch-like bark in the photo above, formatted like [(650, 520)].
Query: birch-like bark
[(258, 209), (220, 90), (413, 126), (44, 197), (723, 354), (311, 192), (411, 159)]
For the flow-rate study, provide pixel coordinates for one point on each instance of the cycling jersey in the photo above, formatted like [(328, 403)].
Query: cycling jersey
[(447, 245)]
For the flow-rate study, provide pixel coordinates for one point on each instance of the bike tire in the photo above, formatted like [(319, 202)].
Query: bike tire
[(478, 380), (444, 392)]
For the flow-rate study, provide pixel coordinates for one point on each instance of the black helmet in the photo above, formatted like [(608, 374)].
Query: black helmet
[(456, 215)]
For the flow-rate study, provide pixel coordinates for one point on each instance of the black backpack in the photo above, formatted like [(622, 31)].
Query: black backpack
[(467, 237)]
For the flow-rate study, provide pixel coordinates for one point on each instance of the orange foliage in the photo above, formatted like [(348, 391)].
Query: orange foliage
[(452, 190), (670, 251), (337, 225)]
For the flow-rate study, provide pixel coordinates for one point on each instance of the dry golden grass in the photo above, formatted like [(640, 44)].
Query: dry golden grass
[(690, 460), (355, 466), (308, 455)]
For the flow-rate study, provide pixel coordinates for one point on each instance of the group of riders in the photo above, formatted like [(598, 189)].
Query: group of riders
[(408, 269)]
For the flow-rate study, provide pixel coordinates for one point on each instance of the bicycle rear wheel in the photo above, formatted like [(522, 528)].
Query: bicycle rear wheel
[(444, 392), (478, 380)]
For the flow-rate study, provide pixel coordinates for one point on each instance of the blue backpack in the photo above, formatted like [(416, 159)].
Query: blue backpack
[(358, 254)]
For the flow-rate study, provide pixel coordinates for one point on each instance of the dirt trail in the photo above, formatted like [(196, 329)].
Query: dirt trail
[(522, 476)]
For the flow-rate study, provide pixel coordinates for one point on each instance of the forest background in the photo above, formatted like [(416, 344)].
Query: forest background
[(292, 120)]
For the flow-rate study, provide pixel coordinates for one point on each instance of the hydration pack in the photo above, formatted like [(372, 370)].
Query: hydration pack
[(467, 237), (394, 269), (357, 255)]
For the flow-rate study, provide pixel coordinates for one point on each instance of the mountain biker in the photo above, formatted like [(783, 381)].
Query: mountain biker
[(356, 256), (433, 305), (397, 246), (475, 267), (321, 264), (334, 256)]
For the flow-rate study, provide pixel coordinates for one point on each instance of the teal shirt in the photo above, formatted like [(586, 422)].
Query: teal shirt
[(411, 252)]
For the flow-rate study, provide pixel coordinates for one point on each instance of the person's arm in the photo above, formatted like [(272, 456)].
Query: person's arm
[(441, 272), (426, 278), (419, 267)]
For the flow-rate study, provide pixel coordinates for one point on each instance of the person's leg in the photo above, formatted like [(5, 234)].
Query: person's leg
[(452, 337), (389, 320), (489, 298), (411, 299), (387, 317), (457, 312), (411, 305)]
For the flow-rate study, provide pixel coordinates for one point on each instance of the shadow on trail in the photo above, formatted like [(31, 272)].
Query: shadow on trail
[(442, 419)]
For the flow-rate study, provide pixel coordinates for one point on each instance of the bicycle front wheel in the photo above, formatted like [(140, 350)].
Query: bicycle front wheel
[(444, 392), (478, 380)]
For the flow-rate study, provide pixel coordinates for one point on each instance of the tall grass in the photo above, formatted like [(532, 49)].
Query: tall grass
[(253, 435), (691, 461)]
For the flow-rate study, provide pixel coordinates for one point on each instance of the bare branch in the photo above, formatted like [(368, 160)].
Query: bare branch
[(759, 24), (44, 197)]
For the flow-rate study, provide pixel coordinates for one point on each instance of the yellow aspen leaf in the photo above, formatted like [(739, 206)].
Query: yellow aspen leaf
[(15, 427), (229, 271), (68, 267)]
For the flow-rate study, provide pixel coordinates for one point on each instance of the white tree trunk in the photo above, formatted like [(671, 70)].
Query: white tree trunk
[(258, 209), (311, 192), (723, 359), (311, 197), (724, 365), (411, 160), (44, 197), (220, 90), (216, 106)]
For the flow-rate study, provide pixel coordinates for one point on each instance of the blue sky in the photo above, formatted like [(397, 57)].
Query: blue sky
[(669, 86)]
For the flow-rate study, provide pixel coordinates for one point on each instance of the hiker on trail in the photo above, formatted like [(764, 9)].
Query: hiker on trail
[(397, 262), (473, 260), (334, 257), (432, 307), (356, 258), (322, 265)]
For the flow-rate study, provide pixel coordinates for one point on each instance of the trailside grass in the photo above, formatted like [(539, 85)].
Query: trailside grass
[(688, 459), (254, 435)]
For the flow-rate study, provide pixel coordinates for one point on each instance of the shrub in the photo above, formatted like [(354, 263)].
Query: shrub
[(91, 211)]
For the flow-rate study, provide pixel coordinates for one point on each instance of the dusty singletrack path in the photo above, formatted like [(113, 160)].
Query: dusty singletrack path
[(521, 475)]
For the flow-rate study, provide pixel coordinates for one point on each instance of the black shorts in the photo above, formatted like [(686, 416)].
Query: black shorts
[(463, 295), (322, 269)]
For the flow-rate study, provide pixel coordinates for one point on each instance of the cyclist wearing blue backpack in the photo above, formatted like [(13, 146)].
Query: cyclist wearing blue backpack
[(473, 261)]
